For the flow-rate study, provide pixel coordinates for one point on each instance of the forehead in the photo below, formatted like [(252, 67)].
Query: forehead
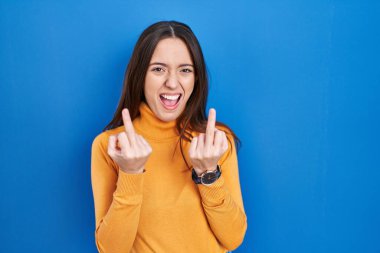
[(171, 50)]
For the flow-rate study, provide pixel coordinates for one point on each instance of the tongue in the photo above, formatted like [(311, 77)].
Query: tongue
[(169, 102)]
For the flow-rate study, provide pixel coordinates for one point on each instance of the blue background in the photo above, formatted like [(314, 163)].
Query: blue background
[(299, 82)]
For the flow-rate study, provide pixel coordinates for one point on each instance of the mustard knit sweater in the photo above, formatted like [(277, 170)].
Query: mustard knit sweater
[(162, 209)]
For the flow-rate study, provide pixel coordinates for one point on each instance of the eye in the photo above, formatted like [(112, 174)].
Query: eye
[(187, 70), (158, 69)]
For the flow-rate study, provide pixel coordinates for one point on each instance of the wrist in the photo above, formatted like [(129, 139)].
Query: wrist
[(207, 177), (200, 171)]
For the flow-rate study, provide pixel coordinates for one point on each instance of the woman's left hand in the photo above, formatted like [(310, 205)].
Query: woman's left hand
[(206, 149)]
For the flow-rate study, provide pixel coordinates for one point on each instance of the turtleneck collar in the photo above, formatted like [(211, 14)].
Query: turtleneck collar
[(152, 127)]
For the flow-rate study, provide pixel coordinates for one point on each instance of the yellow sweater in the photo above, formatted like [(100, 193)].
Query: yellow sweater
[(162, 209)]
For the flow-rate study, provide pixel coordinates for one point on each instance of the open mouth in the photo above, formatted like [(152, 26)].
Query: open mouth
[(170, 101)]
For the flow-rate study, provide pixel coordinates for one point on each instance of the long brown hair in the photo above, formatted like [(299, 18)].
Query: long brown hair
[(193, 118)]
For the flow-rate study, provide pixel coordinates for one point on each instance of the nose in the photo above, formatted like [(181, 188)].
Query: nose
[(171, 81)]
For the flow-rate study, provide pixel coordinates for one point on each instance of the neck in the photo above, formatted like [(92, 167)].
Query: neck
[(152, 127)]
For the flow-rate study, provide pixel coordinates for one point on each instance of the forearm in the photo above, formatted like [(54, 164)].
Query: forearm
[(117, 230), (227, 220)]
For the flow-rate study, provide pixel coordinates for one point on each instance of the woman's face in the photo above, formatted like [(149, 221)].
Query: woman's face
[(169, 80)]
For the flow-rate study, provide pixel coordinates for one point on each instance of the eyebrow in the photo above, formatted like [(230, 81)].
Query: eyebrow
[(165, 65)]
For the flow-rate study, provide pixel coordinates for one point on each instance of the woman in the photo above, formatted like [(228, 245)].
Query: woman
[(164, 177)]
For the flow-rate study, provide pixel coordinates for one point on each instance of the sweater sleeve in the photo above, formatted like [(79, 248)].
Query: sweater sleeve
[(117, 200), (223, 204)]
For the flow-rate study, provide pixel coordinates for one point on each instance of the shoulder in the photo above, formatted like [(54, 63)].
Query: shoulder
[(223, 127), (99, 148), (101, 140), (231, 151), (226, 129)]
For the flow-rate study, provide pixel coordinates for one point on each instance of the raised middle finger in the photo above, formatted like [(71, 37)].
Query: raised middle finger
[(130, 131), (210, 130)]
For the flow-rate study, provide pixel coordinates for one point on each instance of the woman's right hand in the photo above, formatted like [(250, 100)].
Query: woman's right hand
[(129, 150)]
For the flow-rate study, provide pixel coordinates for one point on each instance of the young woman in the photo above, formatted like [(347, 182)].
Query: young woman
[(164, 177)]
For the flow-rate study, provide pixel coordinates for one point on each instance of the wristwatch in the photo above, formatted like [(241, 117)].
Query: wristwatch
[(208, 177)]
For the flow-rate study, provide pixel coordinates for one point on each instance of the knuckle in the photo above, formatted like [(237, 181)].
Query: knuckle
[(120, 136)]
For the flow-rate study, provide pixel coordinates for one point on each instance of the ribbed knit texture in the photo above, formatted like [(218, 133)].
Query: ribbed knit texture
[(129, 183), (162, 209)]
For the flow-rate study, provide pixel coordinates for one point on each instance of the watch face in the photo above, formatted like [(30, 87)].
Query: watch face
[(209, 178)]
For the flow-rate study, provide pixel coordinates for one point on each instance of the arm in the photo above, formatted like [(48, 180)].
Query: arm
[(223, 204), (117, 200)]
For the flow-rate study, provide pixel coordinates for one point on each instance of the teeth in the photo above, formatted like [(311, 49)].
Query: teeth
[(175, 97)]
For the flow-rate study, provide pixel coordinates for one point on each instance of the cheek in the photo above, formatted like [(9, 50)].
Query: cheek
[(152, 83), (189, 87), (187, 83)]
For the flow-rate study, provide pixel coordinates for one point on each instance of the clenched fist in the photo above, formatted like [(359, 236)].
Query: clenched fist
[(206, 149), (129, 150)]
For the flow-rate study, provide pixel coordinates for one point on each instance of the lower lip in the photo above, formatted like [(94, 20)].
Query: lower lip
[(170, 107)]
